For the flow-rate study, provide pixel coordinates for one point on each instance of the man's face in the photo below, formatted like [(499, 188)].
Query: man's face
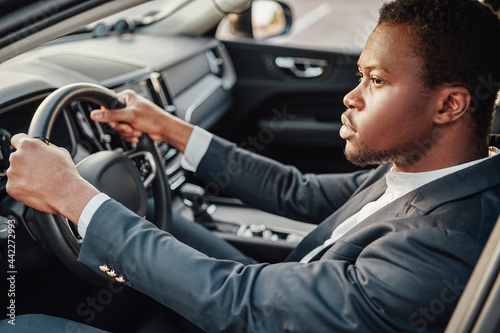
[(390, 112)]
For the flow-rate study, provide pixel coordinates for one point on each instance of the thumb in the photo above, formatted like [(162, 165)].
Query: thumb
[(106, 116)]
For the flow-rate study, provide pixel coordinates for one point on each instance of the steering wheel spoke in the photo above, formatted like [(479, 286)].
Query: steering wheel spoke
[(145, 164)]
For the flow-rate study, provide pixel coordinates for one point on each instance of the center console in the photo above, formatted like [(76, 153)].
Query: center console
[(264, 236)]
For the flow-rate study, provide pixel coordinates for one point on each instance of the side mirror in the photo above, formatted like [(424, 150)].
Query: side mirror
[(264, 19)]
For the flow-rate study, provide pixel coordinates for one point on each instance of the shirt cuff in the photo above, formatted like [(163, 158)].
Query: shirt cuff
[(89, 211), (196, 148)]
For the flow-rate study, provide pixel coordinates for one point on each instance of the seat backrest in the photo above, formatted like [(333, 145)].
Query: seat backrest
[(478, 307)]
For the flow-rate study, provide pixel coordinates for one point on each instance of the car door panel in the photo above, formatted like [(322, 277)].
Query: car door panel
[(282, 113)]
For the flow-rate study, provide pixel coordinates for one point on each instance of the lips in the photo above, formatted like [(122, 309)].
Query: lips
[(347, 130)]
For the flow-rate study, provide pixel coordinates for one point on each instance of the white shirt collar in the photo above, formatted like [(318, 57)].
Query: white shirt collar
[(412, 180)]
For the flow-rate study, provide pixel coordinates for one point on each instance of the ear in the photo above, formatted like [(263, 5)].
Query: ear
[(453, 102)]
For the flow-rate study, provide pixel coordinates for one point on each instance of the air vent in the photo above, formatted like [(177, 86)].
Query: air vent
[(161, 97), (167, 102)]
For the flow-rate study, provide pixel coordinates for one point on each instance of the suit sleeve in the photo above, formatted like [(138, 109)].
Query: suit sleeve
[(390, 287), (272, 186)]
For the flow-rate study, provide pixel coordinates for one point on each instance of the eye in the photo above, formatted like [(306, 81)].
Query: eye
[(376, 81)]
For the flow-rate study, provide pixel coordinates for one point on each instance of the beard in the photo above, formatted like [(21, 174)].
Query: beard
[(365, 156)]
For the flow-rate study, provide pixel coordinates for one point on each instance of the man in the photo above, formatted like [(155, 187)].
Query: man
[(397, 244)]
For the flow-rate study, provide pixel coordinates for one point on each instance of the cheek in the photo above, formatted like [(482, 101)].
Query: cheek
[(386, 117), (381, 125)]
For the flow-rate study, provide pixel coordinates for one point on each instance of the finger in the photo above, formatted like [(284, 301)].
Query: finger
[(123, 128), (113, 124), (18, 139), (127, 130), (132, 139)]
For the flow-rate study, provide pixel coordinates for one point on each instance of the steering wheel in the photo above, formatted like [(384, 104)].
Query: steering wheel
[(124, 176)]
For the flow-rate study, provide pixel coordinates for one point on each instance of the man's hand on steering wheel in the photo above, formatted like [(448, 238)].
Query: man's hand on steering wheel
[(142, 116), (45, 178)]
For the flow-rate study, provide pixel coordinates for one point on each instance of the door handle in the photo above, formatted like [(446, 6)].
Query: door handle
[(302, 67)]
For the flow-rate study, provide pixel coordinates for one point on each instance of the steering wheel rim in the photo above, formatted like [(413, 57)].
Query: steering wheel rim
[(58, 236)]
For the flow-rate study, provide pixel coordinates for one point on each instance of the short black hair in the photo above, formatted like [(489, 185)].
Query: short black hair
[(459, 43)]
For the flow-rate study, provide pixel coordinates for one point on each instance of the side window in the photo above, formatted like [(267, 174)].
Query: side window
[(331, 25)]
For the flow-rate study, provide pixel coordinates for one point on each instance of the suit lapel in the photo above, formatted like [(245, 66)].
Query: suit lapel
[(471, 181), (324, 230)]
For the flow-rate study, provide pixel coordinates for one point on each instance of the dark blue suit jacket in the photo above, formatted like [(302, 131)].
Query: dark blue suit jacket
[(401, 269)]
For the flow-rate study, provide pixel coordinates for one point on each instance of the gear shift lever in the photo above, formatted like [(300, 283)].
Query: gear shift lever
[(194, 197)]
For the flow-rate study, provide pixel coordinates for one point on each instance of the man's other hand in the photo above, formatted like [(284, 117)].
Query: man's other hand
[(138, 117), (142, 116), (45, 178)]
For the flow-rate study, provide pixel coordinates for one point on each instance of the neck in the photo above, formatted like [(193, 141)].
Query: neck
[(443, 157)]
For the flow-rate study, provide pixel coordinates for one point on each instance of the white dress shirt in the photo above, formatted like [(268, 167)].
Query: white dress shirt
[(398, 184)]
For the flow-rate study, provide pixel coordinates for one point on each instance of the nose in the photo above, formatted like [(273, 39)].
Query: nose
[(354, 100)]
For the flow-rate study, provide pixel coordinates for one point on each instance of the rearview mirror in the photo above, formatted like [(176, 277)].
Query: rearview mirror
[(264, 19)]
